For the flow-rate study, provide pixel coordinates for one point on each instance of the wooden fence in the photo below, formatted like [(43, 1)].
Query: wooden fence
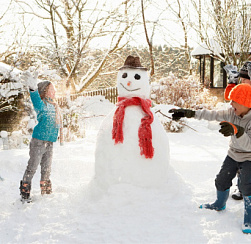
[(110, 94)]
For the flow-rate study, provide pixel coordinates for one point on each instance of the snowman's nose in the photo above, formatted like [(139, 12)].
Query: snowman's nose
[(129, 83)]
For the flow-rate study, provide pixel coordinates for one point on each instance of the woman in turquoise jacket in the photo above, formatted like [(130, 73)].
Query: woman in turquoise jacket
[(44, 134)]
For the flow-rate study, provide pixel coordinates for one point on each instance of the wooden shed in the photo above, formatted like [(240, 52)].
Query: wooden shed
[(212, 74)]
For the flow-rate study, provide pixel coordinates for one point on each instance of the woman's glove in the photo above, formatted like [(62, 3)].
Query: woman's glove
[(229, 129), (29, 80), (180, 113)]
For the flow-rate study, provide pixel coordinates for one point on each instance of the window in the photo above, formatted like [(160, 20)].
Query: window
[(218, 74)]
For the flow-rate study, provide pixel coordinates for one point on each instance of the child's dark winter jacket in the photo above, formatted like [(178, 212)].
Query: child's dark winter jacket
[(239, 148), (47, 128)]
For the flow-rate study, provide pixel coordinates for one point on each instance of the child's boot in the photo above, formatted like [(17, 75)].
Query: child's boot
[(246, 228), (237, 195), (220, 203), (25, 189), (45, 186)]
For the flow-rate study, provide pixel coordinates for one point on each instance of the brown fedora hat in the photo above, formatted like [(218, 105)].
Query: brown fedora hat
[(132, 63)]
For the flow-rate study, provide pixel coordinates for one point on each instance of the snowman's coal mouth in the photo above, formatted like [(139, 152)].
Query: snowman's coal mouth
[(129, 89)]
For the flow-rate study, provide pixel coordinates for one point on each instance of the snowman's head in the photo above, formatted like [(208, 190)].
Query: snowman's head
[(133, 79)]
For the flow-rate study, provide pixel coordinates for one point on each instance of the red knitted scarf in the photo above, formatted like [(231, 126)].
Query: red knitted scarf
[(144, 132)]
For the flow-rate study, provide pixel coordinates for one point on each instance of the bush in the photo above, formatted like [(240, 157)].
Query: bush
[(185, 93)]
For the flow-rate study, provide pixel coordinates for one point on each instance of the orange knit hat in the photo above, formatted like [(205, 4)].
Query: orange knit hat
[(241, 94)]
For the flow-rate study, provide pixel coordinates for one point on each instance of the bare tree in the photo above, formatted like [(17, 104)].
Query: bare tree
[(182, 15), (227, 31), (10, 43), (198, 25), (117, 36), (74, 26), (2, 14), (148, 40)]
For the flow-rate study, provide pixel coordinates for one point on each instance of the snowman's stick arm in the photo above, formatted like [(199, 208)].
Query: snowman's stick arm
[(180, 122), (88, 117)]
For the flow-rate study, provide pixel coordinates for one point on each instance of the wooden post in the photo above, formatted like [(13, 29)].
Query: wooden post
[(5, 139), (211, 72)]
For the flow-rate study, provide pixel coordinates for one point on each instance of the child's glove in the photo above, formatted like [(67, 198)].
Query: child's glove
[(29, 80), (229, 129), (233, 74), (180, 113)]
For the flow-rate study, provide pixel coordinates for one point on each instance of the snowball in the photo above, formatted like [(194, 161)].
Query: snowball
[(4, 134)]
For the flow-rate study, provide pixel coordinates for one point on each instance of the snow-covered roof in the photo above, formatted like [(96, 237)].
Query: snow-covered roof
[(200, 50), (210, 48)]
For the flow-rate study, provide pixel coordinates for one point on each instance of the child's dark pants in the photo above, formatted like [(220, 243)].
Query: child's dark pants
[(227, 173)]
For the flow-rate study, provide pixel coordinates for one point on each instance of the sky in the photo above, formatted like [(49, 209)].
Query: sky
[(35, 27)]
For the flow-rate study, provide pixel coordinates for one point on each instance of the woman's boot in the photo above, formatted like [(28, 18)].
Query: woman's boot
[(25, 189), (45, 186)]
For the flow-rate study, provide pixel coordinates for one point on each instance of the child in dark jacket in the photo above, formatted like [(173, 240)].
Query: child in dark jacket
[(44, 134), (235, 122)]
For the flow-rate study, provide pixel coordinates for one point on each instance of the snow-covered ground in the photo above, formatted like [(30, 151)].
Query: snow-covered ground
[(77, 212)]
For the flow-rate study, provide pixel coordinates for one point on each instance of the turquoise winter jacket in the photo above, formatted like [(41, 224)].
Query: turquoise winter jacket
[(46, 129)]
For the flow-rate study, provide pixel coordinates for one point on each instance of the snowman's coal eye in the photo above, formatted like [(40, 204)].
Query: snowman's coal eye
[(137, 77), (124, 75)]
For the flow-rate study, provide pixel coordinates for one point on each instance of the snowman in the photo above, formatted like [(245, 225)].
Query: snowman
[(132, 146)]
